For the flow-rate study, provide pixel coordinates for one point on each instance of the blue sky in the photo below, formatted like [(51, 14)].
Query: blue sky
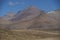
[(16, 5)]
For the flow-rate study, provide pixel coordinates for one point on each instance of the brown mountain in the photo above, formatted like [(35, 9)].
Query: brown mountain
[(27, 14), (56, 16), (5, 20), (34, 18), (8, 16)]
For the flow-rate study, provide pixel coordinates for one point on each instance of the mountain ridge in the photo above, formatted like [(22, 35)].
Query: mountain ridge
[(33, 18)]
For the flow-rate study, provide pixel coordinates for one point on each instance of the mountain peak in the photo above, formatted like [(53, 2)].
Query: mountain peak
[(28, 13), (32, 8)]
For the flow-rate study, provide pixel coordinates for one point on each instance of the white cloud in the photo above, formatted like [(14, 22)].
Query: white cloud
[(11, 4), (15, 3)]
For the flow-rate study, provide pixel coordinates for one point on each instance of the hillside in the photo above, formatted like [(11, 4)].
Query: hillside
[(30, 24), (28, 35), (31, 18)]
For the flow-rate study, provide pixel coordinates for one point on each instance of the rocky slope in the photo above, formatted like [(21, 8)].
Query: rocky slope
[(56, 16), (33, 18), (5, 20), (8, 16)]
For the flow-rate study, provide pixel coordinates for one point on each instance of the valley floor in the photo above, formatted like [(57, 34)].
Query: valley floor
[(29, 35)]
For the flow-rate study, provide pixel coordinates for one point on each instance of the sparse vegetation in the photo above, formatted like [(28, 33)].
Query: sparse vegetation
[(30, 24), (24, 35)]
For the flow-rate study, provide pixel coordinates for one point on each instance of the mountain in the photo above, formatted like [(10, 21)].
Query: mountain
[(33, 18), (26, 17), (56, 16), (27, 14), (5, 20), (8, 16)]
